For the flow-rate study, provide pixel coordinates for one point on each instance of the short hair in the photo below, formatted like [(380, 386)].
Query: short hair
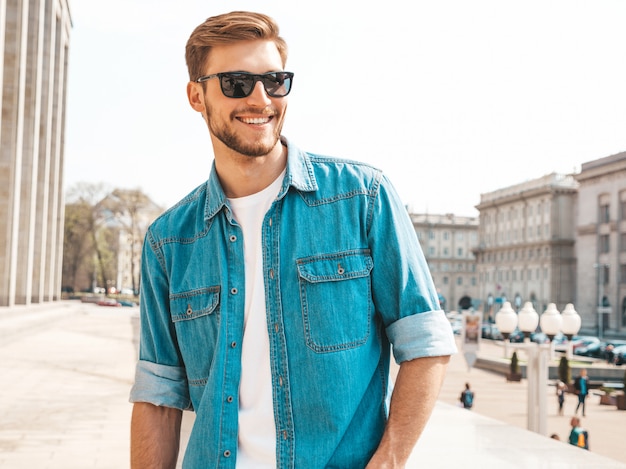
[(229, 28)]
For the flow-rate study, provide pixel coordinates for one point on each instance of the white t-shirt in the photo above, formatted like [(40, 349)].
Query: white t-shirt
[(257, 430)]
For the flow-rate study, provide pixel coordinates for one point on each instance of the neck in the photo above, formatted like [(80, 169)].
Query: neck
[(242, 175)]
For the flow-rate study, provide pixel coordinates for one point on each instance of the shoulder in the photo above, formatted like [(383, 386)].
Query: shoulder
[(184, 218)]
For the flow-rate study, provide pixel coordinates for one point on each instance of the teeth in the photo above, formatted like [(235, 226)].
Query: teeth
[(255, 120)]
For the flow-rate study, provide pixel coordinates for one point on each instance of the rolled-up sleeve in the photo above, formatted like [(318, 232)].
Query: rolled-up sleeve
[(160, 385), (425, 334)]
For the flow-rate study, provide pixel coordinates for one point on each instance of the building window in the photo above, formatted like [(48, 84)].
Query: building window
[(604, 243), (445, 280), (622, 208), (605, 274), (459, 252), (622, 273), (604, 214), (431, 234), (431, 251), (622, 243), (459, 280)]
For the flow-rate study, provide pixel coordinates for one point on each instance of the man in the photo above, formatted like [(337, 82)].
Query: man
[(581, 384), (467, 397), (272, 293), (578, 435)]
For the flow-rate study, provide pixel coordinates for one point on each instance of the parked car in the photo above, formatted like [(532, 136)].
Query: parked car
[(582, 343), (108, 302), (539, 337), (516, 336)]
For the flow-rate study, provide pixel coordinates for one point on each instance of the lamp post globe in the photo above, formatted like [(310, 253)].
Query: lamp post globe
[(506, 320), (528, 319), (551, 321), (571, 321)]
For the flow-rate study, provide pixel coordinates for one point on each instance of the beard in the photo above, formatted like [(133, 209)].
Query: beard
[(254, 149)]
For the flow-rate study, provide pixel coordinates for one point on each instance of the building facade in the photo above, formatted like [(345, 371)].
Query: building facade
[(601, 245), (526, 249), (448, 242), (34, 39)]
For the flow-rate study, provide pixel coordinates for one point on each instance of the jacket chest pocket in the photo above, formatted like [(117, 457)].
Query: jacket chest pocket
[(196, 317), (335, 295)]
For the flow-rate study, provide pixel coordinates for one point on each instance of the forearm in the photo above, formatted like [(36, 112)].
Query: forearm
[(414, 396), (154, 436)]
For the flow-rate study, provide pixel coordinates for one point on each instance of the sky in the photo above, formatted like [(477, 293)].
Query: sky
[(450, 98)]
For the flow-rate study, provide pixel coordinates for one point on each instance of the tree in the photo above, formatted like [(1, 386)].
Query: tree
[(128, 205), (86, 199), (104, 233)]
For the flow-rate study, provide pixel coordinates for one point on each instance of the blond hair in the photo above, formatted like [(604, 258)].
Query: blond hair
[(226, 29)]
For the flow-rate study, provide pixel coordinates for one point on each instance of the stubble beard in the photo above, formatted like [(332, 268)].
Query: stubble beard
[(233, 141)]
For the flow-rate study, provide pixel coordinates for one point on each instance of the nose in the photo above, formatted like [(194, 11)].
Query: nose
[(258, 97)]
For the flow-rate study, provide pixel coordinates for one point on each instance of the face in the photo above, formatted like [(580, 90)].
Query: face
[(250, 126)]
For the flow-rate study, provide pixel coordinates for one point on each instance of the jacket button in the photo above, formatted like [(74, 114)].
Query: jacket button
[(227, 454)]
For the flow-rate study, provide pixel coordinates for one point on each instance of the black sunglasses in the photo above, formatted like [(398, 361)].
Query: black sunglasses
[(241, 84)]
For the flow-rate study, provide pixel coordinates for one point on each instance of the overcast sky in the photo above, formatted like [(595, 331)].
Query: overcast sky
[(451, 98)]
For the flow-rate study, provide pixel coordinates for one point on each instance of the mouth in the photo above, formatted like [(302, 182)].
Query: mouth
[(255, 120)]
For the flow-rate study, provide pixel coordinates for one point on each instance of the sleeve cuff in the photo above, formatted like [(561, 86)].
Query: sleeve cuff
[(161, 385), (427, 334)]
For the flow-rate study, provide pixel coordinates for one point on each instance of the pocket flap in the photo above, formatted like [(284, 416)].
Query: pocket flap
[(334, 267), (195, 303)]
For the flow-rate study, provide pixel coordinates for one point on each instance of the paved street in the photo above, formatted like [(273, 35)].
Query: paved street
[(66, 374), (507, 401)]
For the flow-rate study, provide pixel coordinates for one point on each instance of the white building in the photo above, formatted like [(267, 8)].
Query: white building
[(526, 244), (601, 245), (448, 242), (34, 40)]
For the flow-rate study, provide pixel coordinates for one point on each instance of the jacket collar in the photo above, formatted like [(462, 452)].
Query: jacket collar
[(299, 175)]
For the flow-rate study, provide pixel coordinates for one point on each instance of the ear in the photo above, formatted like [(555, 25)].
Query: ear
[(195, 94)]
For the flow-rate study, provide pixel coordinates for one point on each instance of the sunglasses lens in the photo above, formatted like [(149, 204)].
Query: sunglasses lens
[(277, 84), (240, 85), (236, 85)]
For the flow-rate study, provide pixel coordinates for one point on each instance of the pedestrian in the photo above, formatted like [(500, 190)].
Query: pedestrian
[(610, 354), (467, 397), (560, 394), (578, 435), (581, 384), (273, 295)]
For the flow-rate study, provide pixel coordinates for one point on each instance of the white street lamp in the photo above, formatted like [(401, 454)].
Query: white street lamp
[(537, 367), (506, 320), (570, 327), (528, 319)]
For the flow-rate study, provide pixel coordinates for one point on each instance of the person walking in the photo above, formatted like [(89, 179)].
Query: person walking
[(560, 394), (578, 435), (581, 384), (273, 295), (467, 397)]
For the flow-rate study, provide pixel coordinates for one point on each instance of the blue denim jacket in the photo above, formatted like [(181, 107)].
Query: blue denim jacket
[(345, 278)]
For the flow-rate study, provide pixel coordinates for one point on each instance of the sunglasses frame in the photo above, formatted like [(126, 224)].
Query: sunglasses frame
[(255, 77)]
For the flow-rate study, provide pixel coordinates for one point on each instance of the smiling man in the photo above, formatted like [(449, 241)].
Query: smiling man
[(273, 295)]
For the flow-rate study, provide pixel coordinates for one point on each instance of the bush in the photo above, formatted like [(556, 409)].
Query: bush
[(514, 364), (565, 373)]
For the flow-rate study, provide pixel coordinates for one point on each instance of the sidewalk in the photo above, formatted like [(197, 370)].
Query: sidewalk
[(64, 403), (507, 401)]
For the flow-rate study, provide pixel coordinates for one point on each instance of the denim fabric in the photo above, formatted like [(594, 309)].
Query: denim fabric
[(345, 278)]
